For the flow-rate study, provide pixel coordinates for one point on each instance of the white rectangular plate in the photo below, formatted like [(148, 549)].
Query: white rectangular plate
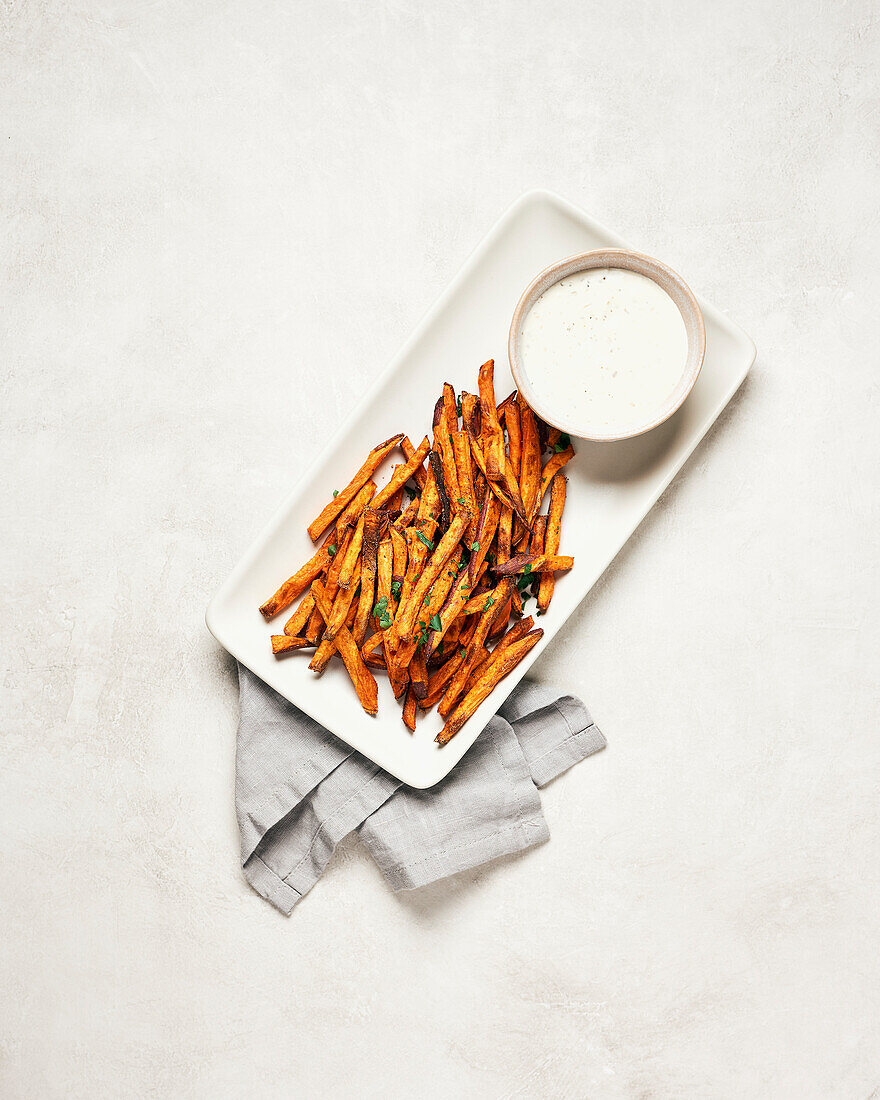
[(611, 485)]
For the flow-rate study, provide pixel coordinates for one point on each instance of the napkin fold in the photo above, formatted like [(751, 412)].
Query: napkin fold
[(300, 790)]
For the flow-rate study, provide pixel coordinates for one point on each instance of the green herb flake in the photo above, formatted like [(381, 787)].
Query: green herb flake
[(381, 607), (395, 588), (435, 623), (423, 634), (527, 569), (458, 406), (335, 493), (461, 653), (488, 603), (462, 501), (385, 622), (562, 444), (331, 550), (424, 539), (474, 546)]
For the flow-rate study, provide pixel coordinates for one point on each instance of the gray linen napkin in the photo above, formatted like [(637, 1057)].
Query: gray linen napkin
[(299, 790)]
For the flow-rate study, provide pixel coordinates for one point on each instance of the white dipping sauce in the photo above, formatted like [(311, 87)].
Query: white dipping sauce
[(604, 348)]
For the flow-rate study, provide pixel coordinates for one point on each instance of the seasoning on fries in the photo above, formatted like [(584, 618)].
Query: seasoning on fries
[(425, 579)]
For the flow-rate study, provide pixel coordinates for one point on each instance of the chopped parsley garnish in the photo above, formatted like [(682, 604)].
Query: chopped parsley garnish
[(331, 550), (423, 538), (488, 603), (435, 623), (461, 500), (474, 546), (426, 600), (381, 607), (562, 444), (458, 406), (335, 493), (461, 653), (527, 569), (423, 634), (395, 588), (385, 622)]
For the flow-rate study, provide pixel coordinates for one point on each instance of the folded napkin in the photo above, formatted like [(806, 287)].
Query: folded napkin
[(299, 790)]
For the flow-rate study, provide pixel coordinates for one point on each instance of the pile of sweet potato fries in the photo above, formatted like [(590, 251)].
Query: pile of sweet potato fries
[(425, 579)]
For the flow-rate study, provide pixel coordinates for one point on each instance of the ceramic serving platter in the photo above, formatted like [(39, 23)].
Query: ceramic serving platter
[(611, 485)]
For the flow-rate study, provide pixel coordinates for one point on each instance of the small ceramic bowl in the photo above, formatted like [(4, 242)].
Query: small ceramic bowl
[(667, 279)]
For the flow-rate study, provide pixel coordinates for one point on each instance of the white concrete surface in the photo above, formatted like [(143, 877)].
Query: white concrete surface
[(220, 220)]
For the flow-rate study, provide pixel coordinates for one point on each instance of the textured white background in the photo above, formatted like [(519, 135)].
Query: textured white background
[(220, 220)]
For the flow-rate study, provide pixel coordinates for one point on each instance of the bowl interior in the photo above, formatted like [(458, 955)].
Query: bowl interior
[(668, 280)]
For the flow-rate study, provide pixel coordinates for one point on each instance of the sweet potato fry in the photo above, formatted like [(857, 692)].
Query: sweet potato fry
[(451, 608), (436, 460), (438, 680), (514, 633), (490, 676), (297, 621), (504, 405), (449, 641), (443, 429), (504, 487), (283, 643), (314, 630), (461, 446), (530, 462), (552, 468), (408, 451), (351, 555), (450, 411), (440, 589), (363, 680), (342, 614), (409, 710), (470, 413), (384, 562), (514, 456), (369, 561), (297, 584), (418, 674), (538, 531), (551, 538), (492, 435), (492, 611), (403, 624), (407, 516), (333, 509), (402, 474), (505, 532), (485, 533), (372, 644), (341, 604), (354, 510), (534, 563)]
